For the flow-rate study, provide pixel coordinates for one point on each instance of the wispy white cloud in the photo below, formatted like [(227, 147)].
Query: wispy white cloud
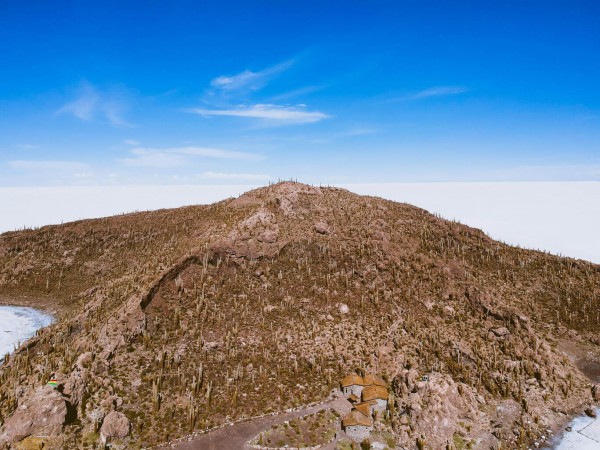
[(216, 153), (250, 80), (275, 113), (48, 165), (84, 106), (83, 175), (230, 95), (180, 156), (438, 91), (358, 131), (298, 92), (153, 158), (90, 103), (131, 142), (354, 132), (235, 176)]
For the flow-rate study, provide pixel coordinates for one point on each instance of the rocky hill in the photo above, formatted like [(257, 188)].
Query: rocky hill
[(180, 320)]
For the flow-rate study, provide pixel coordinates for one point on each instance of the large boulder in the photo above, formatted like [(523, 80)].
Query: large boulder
[(115, 426), (42, 414), (322, 227)]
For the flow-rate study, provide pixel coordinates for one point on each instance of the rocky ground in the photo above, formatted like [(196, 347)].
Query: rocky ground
[(177, 321), (237, 436)]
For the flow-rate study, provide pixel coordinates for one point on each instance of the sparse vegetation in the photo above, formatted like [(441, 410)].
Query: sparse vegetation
[(308, 431), (184, 319)]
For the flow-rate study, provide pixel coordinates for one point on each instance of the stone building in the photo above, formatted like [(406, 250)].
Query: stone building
[(368, 394), (366, 408), (376, 395), (352, 385), (357, 425)]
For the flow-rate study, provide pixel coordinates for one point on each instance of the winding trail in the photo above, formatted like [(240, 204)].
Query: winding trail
[(235, 437)]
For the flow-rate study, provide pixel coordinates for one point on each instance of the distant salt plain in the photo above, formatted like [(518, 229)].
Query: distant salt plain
[(17, 324)]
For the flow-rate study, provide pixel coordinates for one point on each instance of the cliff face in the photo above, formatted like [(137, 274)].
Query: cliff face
[(183, 319)]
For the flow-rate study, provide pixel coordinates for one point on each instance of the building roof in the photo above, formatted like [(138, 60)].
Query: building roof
[(355, 418), (364, 407), (353, 398), (374, 392), (374, 380), (353, 379)]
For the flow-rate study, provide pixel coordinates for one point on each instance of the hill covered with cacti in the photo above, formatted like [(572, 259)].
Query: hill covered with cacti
[(180, 320)]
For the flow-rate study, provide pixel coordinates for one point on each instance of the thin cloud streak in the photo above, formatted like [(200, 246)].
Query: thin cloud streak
[(216, 153), (181, 156), (48, 165), (235, 176), (438, 91), (287, 114), (250, 80), (298, 92), (156, 159)]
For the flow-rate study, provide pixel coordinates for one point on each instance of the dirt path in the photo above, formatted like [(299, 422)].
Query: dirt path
[(234, 437)]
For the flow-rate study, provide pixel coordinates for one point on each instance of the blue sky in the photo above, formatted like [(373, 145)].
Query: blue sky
[(180, 92)]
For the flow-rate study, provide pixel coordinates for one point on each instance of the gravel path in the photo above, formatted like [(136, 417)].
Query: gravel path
[(235, 437)]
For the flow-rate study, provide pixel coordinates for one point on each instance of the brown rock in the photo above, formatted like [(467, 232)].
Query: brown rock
[(449, 311), (590, 412), (500, 331), (321, 227), (115, 426), (43, 413), (439, 406), (84, 360), (410, 379), (74, 386), (596, 392), (267, 236), (288, 194)]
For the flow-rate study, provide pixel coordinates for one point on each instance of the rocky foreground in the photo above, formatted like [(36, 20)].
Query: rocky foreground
[(176, 321)]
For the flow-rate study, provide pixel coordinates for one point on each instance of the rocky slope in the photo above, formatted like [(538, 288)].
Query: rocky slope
[(179, 320)]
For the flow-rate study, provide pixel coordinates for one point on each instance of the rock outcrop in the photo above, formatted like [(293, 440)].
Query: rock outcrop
[(255, 237), (43, 413), (115, 426), (437, 405)]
